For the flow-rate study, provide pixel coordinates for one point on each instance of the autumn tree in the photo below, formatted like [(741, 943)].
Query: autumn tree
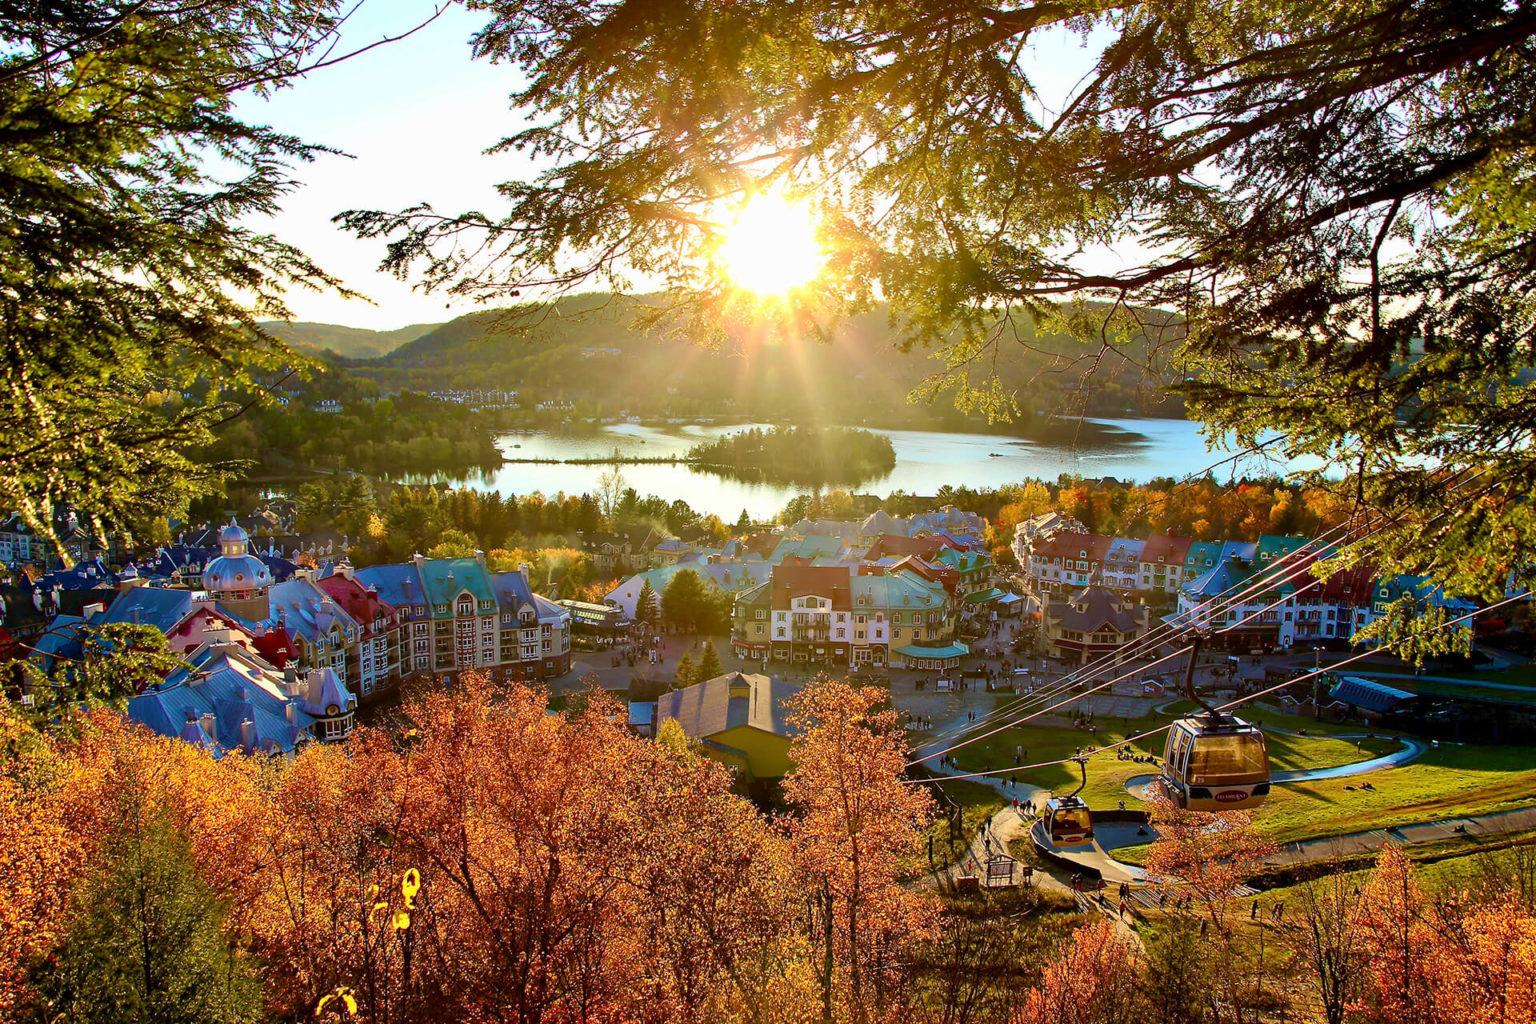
[(41, 851), (1093, 981), (1400, 942), (1209, 853), (685, 674), (114, 662), (856, 821)]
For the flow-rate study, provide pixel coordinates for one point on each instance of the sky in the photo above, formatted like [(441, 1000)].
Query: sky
[(414, 118)]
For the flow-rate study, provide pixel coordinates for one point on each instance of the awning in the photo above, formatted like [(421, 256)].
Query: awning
[(983, 596), (954, 650)]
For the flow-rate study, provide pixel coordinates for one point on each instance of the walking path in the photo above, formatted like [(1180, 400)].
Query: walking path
[(1405, 835), (993, 839)]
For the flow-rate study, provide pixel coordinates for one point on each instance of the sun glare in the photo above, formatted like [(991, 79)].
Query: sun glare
[(771, 247)]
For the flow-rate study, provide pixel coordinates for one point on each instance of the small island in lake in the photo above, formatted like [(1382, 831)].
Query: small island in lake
[(798, 455)]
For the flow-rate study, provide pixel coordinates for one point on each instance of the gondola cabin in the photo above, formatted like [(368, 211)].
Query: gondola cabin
[(1068, 821), (1215, 764)]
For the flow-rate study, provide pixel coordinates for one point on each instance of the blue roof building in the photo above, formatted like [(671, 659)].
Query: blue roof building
[(231, 700)]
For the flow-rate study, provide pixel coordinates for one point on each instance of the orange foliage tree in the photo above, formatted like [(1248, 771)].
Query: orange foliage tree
[(38, 855), (1209, 853), (1441, 959), (856, 821), (1093, 981)]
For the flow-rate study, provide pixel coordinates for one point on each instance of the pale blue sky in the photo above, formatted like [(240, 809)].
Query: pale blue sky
[(415, 117)]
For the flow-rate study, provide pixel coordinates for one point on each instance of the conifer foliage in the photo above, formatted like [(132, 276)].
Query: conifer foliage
[(129, 287)]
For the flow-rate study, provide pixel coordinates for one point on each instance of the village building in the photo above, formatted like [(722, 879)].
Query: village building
[(737, 719), (1090, 624), (231, 700)]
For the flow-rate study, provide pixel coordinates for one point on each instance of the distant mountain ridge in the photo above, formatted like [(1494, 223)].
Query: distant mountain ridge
[(582, 349), (351, 342)]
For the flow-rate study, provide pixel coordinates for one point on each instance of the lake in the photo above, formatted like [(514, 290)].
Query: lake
[(1129, 450)]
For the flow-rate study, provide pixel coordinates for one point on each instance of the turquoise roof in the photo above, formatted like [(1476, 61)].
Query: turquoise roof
[(963, 561), (446, 578), (955, 649), (889, 591), (1272, 547), (1203, 555), (815, 545)]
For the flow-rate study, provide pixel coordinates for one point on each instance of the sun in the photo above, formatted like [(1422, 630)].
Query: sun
[(771, 247)]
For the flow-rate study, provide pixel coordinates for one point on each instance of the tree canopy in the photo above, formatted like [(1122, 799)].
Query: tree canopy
[(1323, 209), (129, 286)]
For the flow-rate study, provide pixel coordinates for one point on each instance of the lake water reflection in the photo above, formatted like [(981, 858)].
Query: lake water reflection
[(1131, 450)]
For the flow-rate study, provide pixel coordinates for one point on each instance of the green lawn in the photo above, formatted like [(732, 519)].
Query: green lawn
[(1520, 675), (978, 803), (1450, 781), (1107, 775)]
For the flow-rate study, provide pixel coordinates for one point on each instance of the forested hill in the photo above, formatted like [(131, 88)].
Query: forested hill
[(352, 342), (583, 350)]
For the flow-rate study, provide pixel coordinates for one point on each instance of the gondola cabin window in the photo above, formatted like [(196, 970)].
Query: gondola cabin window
[(1220, 758)]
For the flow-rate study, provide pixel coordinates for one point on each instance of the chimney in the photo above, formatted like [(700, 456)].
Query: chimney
[(480, 556), (248, 735), (207, 721), (90, 611), (522, 569), (419, 559)]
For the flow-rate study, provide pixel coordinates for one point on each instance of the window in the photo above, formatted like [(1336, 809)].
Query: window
[(759, 614)]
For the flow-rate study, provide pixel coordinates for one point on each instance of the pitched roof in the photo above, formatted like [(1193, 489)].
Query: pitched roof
[(1203, 554), (792, 581), (397, 584), (891, 545), (895, 590), (160, 607), (234, 688), (1090, 547), (1165, 549), (1364, 693), (1123, 549), (301, 607), (707, 709), (446, 578), (356, 598), (1093, 608)]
